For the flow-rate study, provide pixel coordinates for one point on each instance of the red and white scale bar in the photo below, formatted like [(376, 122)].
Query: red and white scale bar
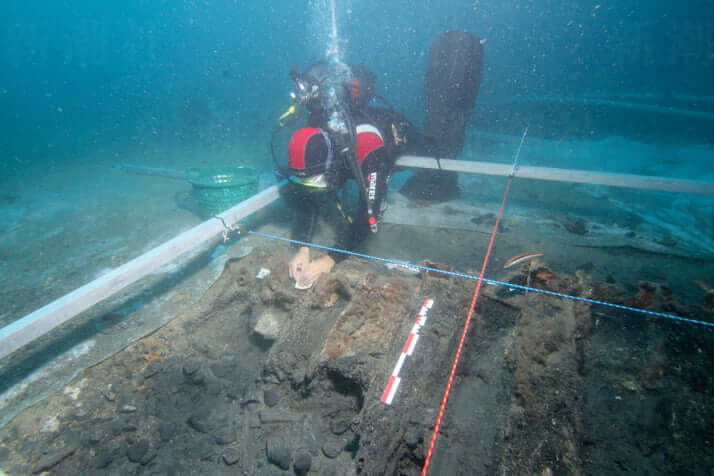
[(394, 380)]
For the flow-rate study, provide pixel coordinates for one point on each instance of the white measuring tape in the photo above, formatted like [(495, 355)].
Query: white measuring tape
[(408, 349)]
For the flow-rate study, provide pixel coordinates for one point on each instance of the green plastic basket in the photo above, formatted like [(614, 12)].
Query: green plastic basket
[(219, 188)]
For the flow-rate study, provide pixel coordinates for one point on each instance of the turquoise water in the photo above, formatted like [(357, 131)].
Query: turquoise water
[(79, 76), (87, 87)]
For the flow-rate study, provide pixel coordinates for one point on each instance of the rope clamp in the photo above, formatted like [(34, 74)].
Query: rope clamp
[(227, 229)]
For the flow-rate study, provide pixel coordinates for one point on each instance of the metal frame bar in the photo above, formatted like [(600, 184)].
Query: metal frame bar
[(618, 104), (560, 175), (155, 171), (23, 331)]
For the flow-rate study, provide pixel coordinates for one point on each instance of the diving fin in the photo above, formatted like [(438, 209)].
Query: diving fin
[(451, 84)]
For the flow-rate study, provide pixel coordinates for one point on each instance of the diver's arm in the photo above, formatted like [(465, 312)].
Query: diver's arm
[(401, 136), (376, 169), (349, 235), (306, 208), (305, 226)]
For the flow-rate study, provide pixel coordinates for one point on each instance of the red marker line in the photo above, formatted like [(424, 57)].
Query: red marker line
[(445, 399)]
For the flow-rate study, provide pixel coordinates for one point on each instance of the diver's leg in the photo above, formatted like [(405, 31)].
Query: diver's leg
[(451, 84)]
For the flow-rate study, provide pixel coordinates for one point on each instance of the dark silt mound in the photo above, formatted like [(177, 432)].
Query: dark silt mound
[(260, 378)]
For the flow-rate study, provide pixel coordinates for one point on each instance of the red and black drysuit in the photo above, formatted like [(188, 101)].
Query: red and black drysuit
[(451, 84), (381, 136)]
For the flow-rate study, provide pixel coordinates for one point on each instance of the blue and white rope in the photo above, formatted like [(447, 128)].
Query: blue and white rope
[(489, 281)]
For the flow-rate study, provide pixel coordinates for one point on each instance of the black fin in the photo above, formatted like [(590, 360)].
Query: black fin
[(434, 186), (451, 84)]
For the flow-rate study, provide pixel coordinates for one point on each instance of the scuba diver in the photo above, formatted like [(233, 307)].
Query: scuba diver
[(345, 138)]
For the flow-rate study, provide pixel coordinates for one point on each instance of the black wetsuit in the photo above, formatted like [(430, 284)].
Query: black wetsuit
[(398, 135), (452, 80)]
